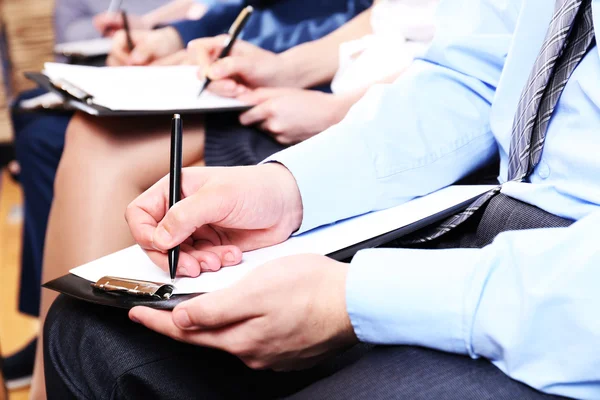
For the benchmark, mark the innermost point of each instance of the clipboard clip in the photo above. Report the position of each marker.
(134, 287)
(67, 87)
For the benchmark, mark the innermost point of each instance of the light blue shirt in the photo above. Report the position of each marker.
(530, 302)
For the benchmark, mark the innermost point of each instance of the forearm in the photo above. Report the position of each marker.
(173, 11)
(315, 63)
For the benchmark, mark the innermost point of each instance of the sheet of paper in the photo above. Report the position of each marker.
(141, 88)
(85, 48)
(134, 264)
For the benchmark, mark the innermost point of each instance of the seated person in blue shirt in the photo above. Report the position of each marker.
(511, 79)
(277, 26)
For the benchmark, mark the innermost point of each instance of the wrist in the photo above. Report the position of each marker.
(308, 65)
(290, 198)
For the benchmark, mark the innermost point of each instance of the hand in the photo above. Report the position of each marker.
(108, 23)
(247, 66)
(293, 115)
(288, 314)
(149, 47)
(224, 211)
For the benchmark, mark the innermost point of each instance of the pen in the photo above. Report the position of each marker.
(127, 30)
(113, 8)
(234, 32)
(175, 182)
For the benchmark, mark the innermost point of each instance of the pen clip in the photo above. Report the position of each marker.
(67, 87)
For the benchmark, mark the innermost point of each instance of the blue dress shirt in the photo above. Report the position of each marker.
(530, 302)
(276, 25)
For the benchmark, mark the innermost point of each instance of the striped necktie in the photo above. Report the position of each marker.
(569, 38)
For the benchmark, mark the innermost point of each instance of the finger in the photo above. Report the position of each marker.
(182, 220)
(119, 50)
(229, 67)
(259, 113)
(227, 88)
(143, 52)
(222, 256)
(216, 310)
(230, 339)
(187, 267)
(260, 95)
(174, 59)
(205, 51)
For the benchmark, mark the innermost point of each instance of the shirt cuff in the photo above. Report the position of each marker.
(412, 297)
(334, 184)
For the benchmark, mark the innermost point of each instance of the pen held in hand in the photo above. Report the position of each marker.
(130, 45)
(234, 33)
(175, 182)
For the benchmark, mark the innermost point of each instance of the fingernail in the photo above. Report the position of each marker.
(162, 236)
(204, 266)
(134, 319)
(229, 257)
(229, 86)
(182, 319)
(183, 271)
(240, 89)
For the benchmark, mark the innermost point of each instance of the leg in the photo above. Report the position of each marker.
(39, 145)
(417, 373)
(106, 164)
(136, 363)
(115, 358)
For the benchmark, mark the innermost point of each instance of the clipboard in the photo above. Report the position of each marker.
(82, 101)
(82, 289)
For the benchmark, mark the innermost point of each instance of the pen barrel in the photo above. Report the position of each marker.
(176, 161)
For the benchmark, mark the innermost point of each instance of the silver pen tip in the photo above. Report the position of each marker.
(172, 281)
(176, 116)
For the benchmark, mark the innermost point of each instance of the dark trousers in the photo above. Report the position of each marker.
(39, 143)
(95, 352)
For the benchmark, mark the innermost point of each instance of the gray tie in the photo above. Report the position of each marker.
(569, 37)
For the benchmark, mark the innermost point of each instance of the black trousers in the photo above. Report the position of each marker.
(97, 353)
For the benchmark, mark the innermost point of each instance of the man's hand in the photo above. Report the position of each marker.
(247, 66)
(224, 211)
(288, 314)
(293, 115)
(108, 23)
(149, 47)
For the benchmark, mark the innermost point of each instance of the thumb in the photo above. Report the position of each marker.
(142, 53)
(186, 217)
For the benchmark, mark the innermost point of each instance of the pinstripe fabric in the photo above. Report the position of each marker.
(569, 37)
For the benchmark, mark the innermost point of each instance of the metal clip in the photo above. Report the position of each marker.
(135, 287)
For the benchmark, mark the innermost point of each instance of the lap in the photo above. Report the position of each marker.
(114, 358)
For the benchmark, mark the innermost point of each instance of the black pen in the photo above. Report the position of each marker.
(234, 32)
(175, 182)
(127, 30)
(113, 8)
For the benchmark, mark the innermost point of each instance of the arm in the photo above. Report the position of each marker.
(529, 303)
(217, 20)
(173, 11)
(315, 62)
(73, 21)
(426, 131)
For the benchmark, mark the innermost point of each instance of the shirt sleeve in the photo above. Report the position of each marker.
(73, 21)
(425, 131)
(528, 302)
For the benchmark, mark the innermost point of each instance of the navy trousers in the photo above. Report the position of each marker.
(39, 142)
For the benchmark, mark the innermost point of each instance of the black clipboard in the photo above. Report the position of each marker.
(82, 289)
(81, 101)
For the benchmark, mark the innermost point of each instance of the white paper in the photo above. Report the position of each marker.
(141, 88)
(85, 48)
(133, 263)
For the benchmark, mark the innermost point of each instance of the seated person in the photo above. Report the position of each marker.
(39, 140)
(309, 21)
(518, 80)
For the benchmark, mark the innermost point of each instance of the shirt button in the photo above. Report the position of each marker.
(543, 170)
